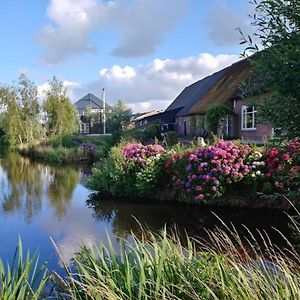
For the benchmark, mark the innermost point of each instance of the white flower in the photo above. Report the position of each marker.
(252, 175)
(258, 173)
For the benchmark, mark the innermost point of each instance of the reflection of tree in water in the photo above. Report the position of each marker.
(127, 217)
(27, 182)
(190, 219)
(61, 188)
(25, 188)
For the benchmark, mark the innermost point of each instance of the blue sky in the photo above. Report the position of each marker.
(142, 51)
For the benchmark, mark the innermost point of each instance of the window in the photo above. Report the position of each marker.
(248, 117)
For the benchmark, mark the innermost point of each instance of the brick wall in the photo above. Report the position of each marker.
(263, 130)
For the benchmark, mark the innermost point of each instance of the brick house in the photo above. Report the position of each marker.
(222, 87)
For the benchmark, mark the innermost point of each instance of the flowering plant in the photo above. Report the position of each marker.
(283, 166)
(140, 153)
(206, 171)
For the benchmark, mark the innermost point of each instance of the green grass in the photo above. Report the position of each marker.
(226, 266)
(23, 279)
(164, 267)
(67, 149)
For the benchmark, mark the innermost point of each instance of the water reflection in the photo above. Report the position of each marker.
(24, 185)
(39, 201)
(128, 217)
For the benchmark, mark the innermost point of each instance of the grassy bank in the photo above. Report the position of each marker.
(227, 266)
(69, 149)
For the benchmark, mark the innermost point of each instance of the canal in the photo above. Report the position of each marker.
(39, 202)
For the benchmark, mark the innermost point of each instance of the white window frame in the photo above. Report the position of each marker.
(244, 118)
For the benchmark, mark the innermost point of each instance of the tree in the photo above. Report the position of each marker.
(277, 67)
(118, 119)
(61, 115)
(21, 112)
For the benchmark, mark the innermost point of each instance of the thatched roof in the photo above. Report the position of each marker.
(226, 88)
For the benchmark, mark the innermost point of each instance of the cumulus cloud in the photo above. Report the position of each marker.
(141, 25)
(144, 23)
(70, 27)
(222, 22)
(153, 85)
(70, 87)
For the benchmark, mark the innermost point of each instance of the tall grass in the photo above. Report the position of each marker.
(164, 267)
(23, 279)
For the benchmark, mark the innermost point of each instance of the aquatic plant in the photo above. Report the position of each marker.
(165, 267)
(23, 279)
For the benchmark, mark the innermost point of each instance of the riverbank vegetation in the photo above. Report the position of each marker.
(48, 131)
(206, 174)
(69, 149)
(226, 266)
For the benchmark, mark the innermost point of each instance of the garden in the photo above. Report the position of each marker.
(225, 172)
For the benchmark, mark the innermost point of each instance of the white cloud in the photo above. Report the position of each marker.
(141, 24)
(144, 23)
(118, 72)
(70, 86)
(154, 85)
(222, 22)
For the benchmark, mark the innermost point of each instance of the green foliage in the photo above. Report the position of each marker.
(145, 134)
(214, 115)
(277, 68)
(20, 121)
(164, 267)
(118, 120)
(61, 113)
(23, 279)
(122, 178)
(171, 138)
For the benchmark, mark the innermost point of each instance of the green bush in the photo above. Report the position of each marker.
(171, 138)
(128, 178)
(145, 134)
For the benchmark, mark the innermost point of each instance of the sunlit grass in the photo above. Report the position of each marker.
(23, 279)
(162, 267)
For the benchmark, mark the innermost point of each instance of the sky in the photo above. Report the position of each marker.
(144, 52)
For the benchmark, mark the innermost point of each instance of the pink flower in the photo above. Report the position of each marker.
(199, 197)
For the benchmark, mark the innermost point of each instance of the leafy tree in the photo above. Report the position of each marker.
(61, 115)
(21, 112)
(118, 119)
(277, 68)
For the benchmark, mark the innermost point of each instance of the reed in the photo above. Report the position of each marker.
(165, 267)
(23, 279)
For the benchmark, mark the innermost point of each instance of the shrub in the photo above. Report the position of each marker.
(88, 149)
(129, 170)
(282, 167)
(145, 134)
(207, 171)
(171, 138)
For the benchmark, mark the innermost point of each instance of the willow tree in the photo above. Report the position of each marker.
(61, 115)
(276, 80)
(20, 113)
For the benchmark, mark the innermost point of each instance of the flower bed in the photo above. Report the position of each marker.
(198, 174)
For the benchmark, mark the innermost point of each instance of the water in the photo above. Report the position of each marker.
(38, 201)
